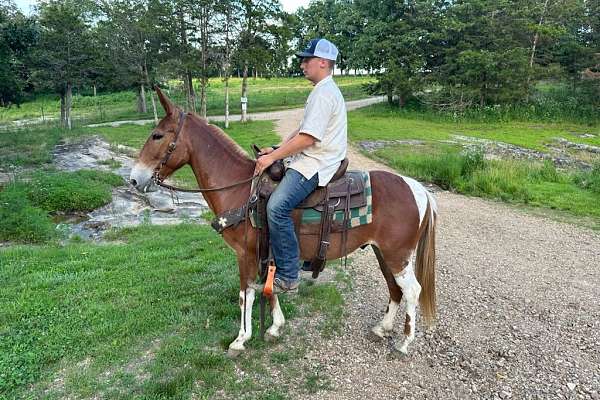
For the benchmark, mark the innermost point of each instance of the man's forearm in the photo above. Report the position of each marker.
(295, 144)
(290, 136)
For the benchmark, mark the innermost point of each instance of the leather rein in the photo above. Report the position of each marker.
(158, 180)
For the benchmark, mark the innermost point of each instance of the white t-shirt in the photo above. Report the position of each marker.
(325, 120)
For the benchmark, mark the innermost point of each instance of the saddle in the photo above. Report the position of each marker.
(344, 191)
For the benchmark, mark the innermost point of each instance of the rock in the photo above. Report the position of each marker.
(571, 386)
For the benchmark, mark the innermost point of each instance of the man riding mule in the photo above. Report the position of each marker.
(401, 232)
(316, 149)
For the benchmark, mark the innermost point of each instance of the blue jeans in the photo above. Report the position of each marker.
(290, 192)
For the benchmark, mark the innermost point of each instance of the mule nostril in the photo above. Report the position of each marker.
(133, 182)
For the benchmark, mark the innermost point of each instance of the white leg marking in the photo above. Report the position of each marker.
(386, 325)
(278, 319)
(244, 334)
(411, 291)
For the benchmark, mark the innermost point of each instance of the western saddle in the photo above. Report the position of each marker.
(344, 191)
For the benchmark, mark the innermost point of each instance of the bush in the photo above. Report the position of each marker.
(83, 190)
(589, 180)
(20, 221)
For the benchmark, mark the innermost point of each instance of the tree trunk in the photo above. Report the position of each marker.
(226, 66)
(536, 37)
(204, 17)
(191, 93)
(140, 105)
(147, 79)
(94, 90)
(226, 100)
(68, 104)
(244, 117)
(63, 107)
(144, 107)
(401, 100)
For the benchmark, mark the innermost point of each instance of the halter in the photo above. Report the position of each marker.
(172, 146)
(156, 178)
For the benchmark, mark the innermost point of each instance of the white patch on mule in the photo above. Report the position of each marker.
(278, 319)
(420, 194)
(244, 334)
(411, 289)
(387, 323)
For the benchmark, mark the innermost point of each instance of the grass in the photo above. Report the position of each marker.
(438, 160)
(146, 315)
(26, 205)
(534, 184)
(381, 122)
(263, 95)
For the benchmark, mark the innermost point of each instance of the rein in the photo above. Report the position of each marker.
(156, 178)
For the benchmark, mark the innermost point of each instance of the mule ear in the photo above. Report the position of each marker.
(164, 100)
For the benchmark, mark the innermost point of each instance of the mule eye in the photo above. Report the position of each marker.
(157, 136)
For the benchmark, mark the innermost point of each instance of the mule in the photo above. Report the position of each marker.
(402, 232)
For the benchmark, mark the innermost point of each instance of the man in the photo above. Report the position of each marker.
(315, 151)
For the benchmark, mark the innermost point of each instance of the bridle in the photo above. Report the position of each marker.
(158, 180)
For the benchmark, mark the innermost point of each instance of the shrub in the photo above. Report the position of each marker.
(20, 221)
(589, 180)
(83, 190)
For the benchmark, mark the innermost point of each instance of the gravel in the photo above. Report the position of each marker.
(518, 315)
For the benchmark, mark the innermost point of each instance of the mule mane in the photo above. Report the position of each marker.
(214, 131)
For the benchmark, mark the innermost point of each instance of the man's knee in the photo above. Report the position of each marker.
(277, 208)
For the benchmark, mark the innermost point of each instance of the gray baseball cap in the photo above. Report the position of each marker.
(319, 48)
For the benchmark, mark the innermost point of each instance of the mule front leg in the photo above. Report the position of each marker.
(278, 319)
(245, 333)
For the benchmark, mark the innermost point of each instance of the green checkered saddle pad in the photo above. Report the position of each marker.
(358, 216)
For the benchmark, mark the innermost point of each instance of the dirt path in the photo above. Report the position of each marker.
(518, 312)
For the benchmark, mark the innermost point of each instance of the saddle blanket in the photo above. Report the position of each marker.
(358, 216)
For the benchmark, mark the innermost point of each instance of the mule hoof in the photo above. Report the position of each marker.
(270, 337)
(378, 334)
(401, 350)
(396, 354)
(234, 353)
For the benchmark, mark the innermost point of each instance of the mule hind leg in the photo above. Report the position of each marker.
(385, 327)
(398, 269)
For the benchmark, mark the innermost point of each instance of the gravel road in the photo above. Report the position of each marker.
(518, 312)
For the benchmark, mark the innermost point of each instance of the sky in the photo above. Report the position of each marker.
(288, 5)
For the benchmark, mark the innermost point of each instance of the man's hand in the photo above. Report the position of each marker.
(262, 163)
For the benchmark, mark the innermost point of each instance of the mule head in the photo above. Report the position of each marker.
(157, 146)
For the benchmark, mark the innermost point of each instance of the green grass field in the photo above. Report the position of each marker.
(263, 95)
(147, 315)
(571, 193)
(380, 122)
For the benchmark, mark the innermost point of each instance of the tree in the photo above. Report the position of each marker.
(63, 54)
(253, 45)
(18, 35)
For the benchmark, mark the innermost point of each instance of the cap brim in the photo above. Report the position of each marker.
(303, 54)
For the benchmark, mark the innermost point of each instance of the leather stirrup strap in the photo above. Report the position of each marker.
(318, 263)
(344, 249)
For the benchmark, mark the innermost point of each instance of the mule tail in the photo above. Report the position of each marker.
(425, 262)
